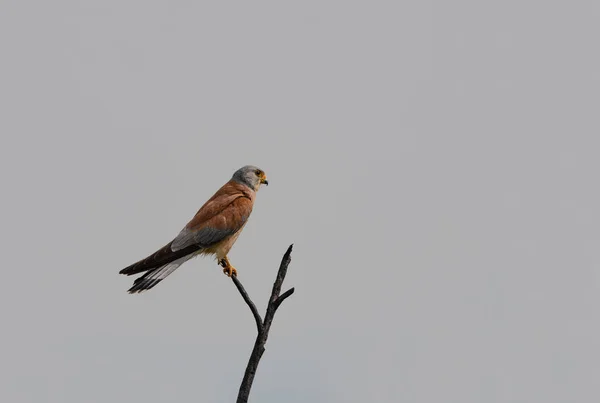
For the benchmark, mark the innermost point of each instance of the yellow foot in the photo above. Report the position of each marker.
(228, 269)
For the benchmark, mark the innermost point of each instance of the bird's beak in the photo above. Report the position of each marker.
(265, 181)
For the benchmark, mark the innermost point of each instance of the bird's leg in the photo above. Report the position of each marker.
(228, 269)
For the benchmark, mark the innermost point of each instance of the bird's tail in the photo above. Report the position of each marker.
(159, 259)
(152, 277)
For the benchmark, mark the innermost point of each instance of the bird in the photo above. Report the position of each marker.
(212, 231)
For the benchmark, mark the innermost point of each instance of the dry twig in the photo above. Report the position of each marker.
(262, 327)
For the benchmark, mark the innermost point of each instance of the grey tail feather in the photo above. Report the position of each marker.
(144, 283)
(152, 277)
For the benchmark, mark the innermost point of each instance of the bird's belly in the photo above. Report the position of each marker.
(222, 248)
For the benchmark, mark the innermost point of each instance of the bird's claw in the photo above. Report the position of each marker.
(228, 269)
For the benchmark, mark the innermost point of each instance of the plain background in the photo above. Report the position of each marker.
(434, 163)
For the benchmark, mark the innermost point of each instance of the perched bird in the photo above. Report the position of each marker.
(213, 231)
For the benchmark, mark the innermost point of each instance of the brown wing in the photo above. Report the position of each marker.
(222, 216)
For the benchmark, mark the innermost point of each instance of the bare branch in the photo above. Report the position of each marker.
(285, 261)
(251, 305)
(265, 326)
(283, 296)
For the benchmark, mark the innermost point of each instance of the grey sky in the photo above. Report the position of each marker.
(434, 163)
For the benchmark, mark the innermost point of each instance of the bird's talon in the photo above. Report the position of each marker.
(230, 271)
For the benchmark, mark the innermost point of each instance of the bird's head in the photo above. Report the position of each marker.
(251, 176)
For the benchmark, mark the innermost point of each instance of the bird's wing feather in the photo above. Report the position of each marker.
(161, 257)
(212, 226)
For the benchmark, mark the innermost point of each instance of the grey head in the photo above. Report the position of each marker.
(250, 176)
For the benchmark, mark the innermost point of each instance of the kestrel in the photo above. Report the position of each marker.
(213, 231)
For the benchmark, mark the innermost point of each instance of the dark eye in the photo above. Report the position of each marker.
(258, 172)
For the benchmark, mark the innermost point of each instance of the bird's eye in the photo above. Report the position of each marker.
(258, 172)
